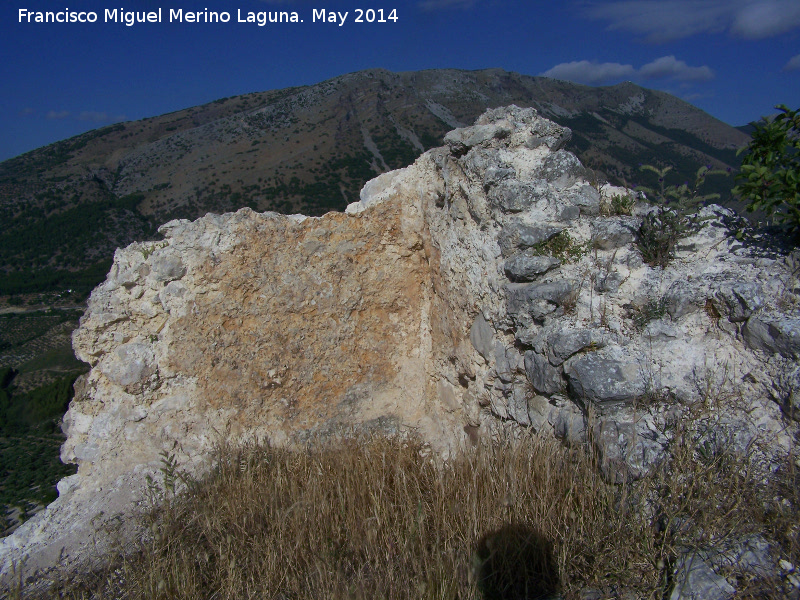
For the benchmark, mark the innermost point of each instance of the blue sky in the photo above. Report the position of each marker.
(735, 59)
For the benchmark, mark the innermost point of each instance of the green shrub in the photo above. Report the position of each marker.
(622, 205)
(562, 247)
(654, 309)
(661, 229)
(659, 234)
(682, 198)
(770, 175)
(30, 439)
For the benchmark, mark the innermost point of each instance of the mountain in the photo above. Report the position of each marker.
(749, 128)
(67, 206)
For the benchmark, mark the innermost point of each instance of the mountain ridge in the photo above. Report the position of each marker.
(306, 149)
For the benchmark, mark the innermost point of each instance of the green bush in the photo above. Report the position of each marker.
(662, 228)
(659, 234)
(682, 197)
(654, 309)
(770, 175)
(562, 247)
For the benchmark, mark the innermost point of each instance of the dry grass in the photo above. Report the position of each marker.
(379, 518)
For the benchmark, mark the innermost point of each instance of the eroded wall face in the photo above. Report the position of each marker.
(301, 323)
(261, 327)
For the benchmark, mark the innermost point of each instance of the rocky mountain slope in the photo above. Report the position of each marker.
(67, 206)
(489, 283)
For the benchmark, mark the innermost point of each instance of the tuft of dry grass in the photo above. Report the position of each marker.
(524, 517)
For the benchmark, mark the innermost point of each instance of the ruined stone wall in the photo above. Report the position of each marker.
(489, 283)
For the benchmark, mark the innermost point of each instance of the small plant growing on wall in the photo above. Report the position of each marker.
(662, 228)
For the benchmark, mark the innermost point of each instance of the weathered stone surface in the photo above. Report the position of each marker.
(496, 175)
(733, 299)
(786, 391)
(519, 236)
(628, 446)
(585, 198)
(563, 343)
(681, 299)
(513, 197)
(792, 405)
(739, 301)
(279, 328)
(695, 579)
(661, 330)
(548, 133)
(517, 402)
(528, 301)
(558, 415)
(568, 422)
(526, 266)
(167, 267)
(508, 361)
(130, 366)
(751, 554)
(770, 333)
(562, 169)
(461, 140)
(613, 232)
(697, 572)
(481, 335)
(569, 213)
(544, 378)
(608, 282)
(375, 191)
(399, 315)
(597, 377)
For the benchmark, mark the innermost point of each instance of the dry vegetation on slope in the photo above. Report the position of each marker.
(516, 518)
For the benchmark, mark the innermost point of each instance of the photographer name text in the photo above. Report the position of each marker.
(131, 18)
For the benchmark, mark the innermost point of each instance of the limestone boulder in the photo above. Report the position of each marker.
(544, 378)
(610, 375)
(517, 235)
(774, 333)
(527, 266)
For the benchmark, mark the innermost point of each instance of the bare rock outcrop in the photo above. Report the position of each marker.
(487, 282)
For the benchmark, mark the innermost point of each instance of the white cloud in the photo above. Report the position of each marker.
(669, 66)
(86, 115)
(440, 4)
(594, 73)
(99, 117)
(693, 97)
(665, 20)
(793, 64)
(591, 73)
(26, 112)
(90, 115)
(768, 18)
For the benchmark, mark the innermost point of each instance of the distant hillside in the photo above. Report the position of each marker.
(67, 206)
(747, 129)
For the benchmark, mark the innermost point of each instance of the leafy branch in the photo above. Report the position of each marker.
(770, 175)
